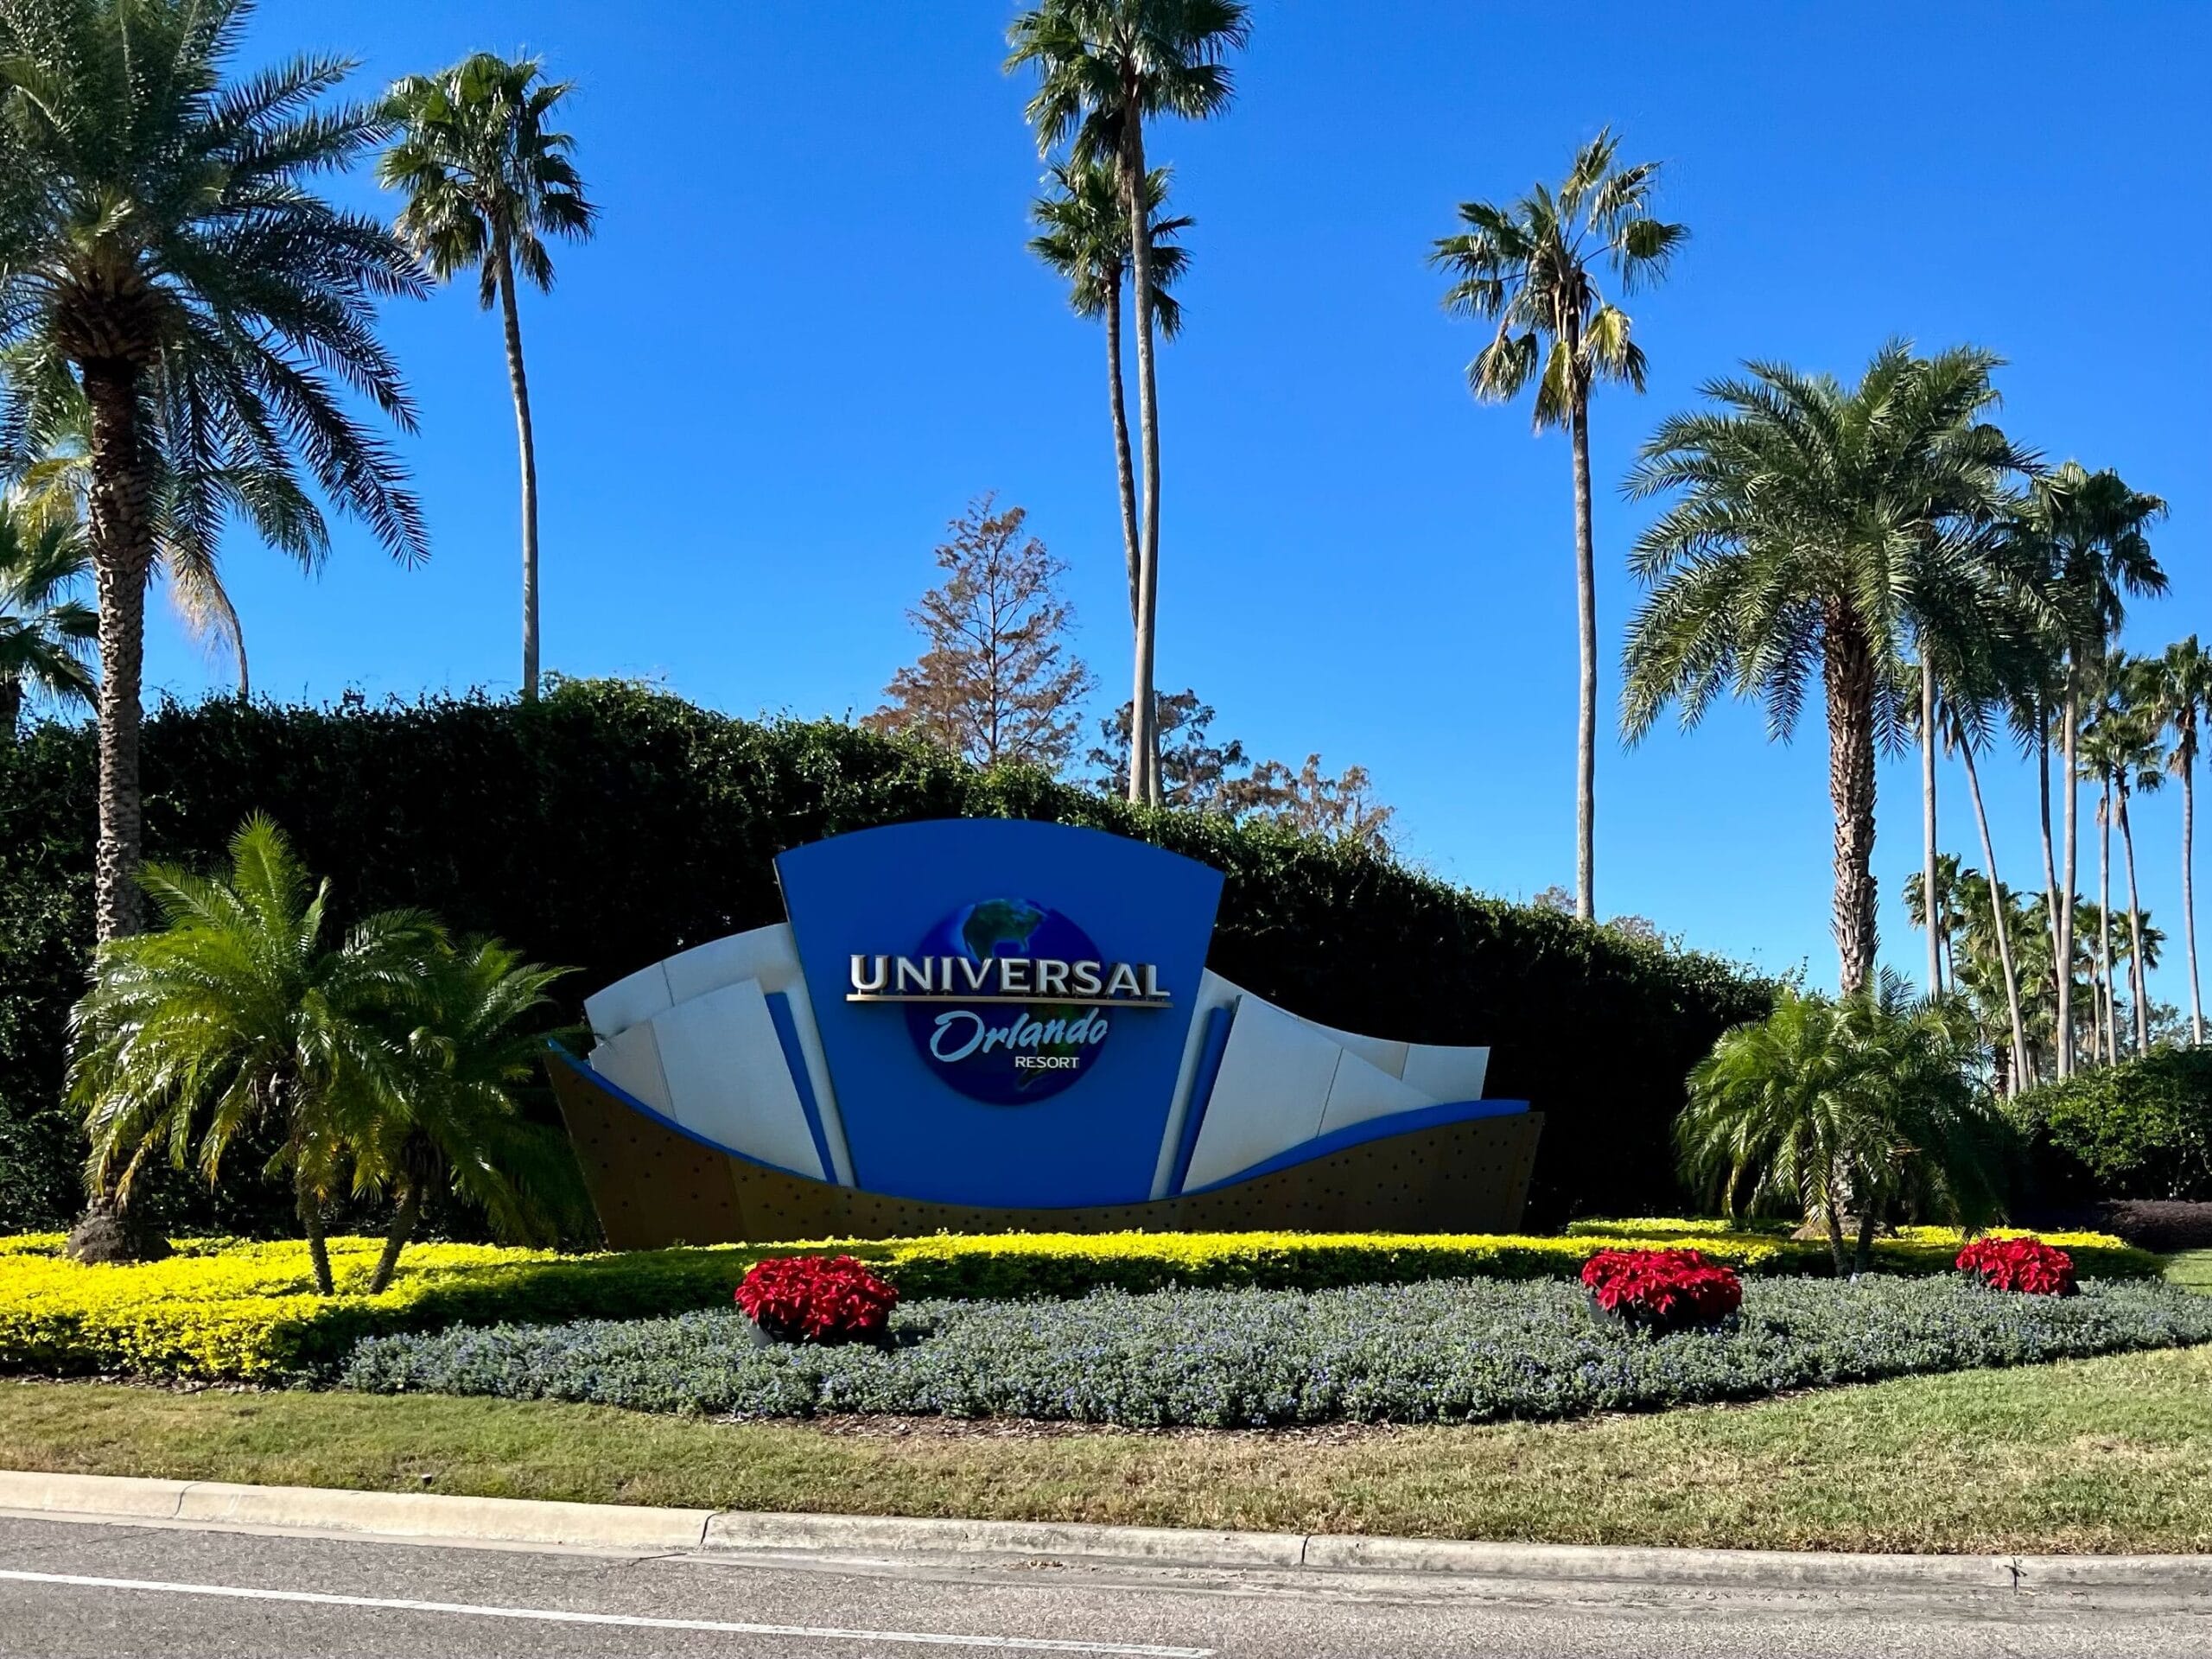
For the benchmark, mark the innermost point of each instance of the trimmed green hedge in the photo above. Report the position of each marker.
(608, 826)
(2140, 1130)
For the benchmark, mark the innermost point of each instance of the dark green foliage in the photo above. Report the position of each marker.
(608, 826)
(2140, 1130)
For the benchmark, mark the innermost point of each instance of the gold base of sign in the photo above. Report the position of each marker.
(654, 1187)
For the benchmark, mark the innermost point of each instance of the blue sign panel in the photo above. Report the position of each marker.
(1003, 1005)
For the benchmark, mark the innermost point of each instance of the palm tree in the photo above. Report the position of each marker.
(2088, 534)
(160, 221)
(1105, 68)
(482, 1037)
(46, 632)
(187, 509)
(1812, 523)
(2181, 700)
(1961, 738)
(1857, 1106)
(1084, 237)
(486, 181)
(2122, 745)
(243, 1006)
(388, 1057)
(1533, 267)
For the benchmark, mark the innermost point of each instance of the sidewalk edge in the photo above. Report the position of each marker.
(424, 1516)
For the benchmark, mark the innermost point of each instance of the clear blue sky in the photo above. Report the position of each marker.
(808, 331)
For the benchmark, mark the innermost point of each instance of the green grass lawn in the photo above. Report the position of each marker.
(2104, 1454)
(2191, 1268)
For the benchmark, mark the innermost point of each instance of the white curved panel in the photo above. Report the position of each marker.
(1361, 1091)
(727, 1082)
(1382, 1053)
(1214, 992)
(1273, 1083)
(629, 1001)
(1446, 1074)
(817, 1075)
(631, 1061)
(767, 954)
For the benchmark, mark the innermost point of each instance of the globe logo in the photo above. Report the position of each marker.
(1008, 1052)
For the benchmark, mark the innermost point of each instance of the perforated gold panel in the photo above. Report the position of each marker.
(654, 1187)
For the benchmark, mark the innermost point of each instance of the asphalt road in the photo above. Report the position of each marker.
(110, 1591)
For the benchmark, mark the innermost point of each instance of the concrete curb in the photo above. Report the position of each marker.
(419, 1516)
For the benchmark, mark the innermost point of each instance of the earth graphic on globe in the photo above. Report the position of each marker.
(1007, 1072)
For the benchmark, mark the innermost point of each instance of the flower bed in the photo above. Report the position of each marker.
(1444, 1352)
(816, 1299)
(1661, 1290)
(2030, 1266)
(226, 1309)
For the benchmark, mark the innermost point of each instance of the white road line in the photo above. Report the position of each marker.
(553, 1615)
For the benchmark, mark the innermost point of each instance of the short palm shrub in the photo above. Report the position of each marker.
(2028, 1265)
(816, 1299)
(1661, 1290)
(1870, 1108)
(388, 1055)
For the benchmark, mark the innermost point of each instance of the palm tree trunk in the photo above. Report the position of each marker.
(11, 710)
(2104, 925)
(2138, 977)
(2189, 890)
(1124, 466)
(1585, 616)
(2063, 946)
(1832, 1203)
(1862, 1260)
(1144, 716)
(403, 1229)
(1850, 676)
(122, 557)
(310, 1210)
(1997, 908)
(1929, 898)
(2107, 1009)
(2061, 985)
(527, 442)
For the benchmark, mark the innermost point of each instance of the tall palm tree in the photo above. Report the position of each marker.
(46, 632)
(1961, 739)
(2182, 702)
(159, 220)
(1810, 523)
(1105, 68)
(2122, 742)
(1533, 267)
(486, 181)
(1084, 235)
(2093, 753)
(2089, 534)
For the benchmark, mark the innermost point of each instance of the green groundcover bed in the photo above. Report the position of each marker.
(1448, 1351)
(223, 1310)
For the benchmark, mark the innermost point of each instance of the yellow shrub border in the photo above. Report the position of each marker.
(227, 1309)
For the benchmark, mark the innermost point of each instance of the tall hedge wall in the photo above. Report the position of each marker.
(609, 825)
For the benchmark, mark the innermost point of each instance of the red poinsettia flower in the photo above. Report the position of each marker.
(2027, 1265)
(816, 1299)
(1663, 1287)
